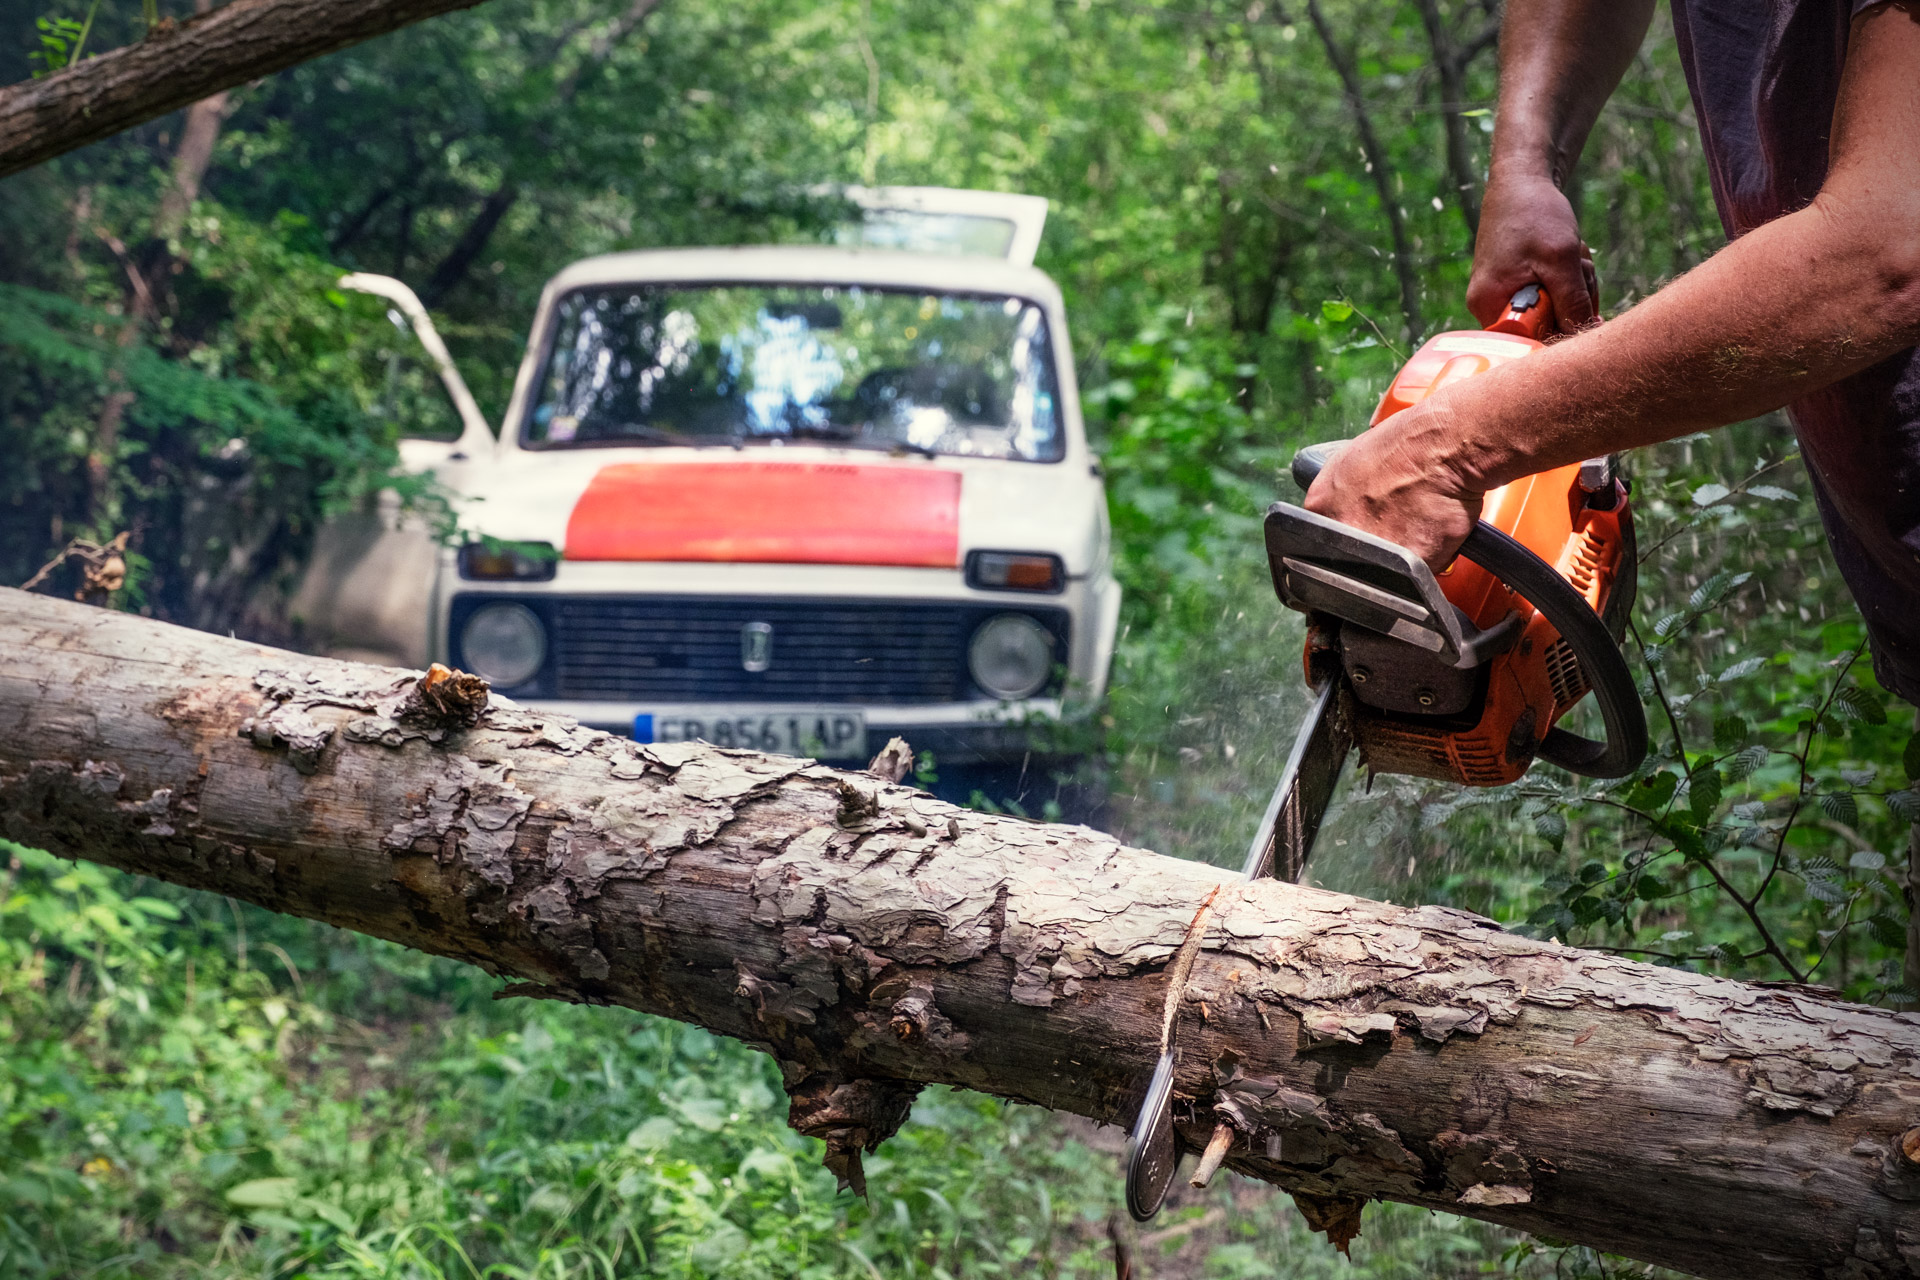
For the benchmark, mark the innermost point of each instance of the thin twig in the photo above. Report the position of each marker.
(1853, 900)
(1647, 553)
(1773, 947)
(1804, 755)
(1385, 341)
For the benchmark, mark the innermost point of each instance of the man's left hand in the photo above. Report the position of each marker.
(1395, 482)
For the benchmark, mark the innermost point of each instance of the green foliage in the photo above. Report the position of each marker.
(61, 40)
(227, 457)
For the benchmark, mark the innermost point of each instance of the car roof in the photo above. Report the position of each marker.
(812, 264)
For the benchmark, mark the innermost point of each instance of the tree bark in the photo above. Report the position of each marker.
(873, 939)
(182, 63)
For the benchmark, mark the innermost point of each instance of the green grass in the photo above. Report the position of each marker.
(194, 1089)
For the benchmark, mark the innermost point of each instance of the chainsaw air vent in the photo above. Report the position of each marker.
(1563, 672)
(1581, 563)
(1395, 745)
(1478, 766)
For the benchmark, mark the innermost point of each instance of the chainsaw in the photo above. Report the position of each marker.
(1459, 676)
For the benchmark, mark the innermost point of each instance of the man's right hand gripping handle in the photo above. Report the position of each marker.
(1528, 235)
(1559, 61)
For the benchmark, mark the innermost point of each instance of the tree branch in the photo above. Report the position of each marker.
(1451, 61)
(181, 63)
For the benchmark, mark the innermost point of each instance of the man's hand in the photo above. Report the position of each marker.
(1800, 302)
(1395, 482)
(1528, 235)
(1559, 59)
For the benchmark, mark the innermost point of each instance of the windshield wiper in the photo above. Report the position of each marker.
(838, 431)
(629, 433)
(841, 433)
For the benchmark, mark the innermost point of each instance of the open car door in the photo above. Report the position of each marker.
(366, 591)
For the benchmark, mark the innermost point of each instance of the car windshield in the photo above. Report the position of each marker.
(942, 373)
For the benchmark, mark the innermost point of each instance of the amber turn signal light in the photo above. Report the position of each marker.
(1016, 571)
(508, 561)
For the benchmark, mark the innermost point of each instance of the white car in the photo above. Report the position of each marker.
(794, 498)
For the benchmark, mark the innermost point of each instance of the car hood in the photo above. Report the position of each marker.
(797, 505)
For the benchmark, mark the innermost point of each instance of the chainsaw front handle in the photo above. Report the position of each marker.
(1600, 659)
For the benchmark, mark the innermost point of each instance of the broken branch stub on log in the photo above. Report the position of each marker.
(873, 939)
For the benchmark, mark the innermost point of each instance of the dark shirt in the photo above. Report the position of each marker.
(1765, 75)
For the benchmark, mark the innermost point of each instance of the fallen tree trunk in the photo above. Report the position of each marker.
(181, 63)
(873, 939)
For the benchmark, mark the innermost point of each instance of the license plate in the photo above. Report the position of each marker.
(822, 732)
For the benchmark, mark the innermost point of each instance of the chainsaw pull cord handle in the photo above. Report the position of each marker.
(1600, 659)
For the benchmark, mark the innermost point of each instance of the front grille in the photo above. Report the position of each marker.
(688, 649)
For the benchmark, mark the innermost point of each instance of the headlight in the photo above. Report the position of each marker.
(1011, 656)
(495, 561)
(504, 643)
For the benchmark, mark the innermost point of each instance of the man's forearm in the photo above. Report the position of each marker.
(1789, 308)
(1559, 62)
(1781, 312)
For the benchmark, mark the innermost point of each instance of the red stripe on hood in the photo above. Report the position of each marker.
(769, 513)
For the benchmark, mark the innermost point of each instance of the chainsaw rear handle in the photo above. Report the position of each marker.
(1541, 585)
(1529, 314)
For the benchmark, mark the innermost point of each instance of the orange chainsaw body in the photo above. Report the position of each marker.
(1586, 534)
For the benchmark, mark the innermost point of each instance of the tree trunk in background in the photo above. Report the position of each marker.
(1450, 62)
(193, 157)
(872, 938)
(453, 268)
(181, 63)
(1379, 171)
(149, 275)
